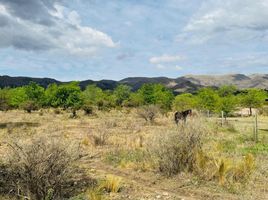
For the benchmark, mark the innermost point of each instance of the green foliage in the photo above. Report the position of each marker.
(135, 100)
(184, 102)
(17, 97)
(253, 98)
(68, 96)
(35, 92)
(227, 104)
(93, 95)
(50, 95)
(156, 94)
(122, 93)
(227, 90)
(208, 99)
(259, 148)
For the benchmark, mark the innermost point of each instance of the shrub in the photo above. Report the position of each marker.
(177, 151)
(43, 169)
(149, 113)
(29, 106)
(57, 111)
(88, 110)
(100, 138)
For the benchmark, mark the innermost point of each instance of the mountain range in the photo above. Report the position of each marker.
(188, 83)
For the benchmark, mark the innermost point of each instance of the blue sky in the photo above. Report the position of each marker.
(114, 39)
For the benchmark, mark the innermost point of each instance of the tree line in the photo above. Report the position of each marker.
(70, 96)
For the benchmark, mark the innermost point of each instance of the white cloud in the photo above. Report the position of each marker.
(247, 61)
(169, 67)
(166, 59)
(178, 68)
(61, 32)
(229, 19)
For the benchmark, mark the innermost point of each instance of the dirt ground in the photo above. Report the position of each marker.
(124, 130)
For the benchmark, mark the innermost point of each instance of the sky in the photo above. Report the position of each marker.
(115, 39)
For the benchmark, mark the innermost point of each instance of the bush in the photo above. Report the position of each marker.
(149, 113)
(29, 106)
(43, 169)
(88, 109)
(57, 111)
(177, 151)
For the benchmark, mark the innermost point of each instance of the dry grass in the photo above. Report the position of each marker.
(230, 166)
(111, 184)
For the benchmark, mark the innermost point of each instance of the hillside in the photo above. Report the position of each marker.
(188, 83)
(240, 80)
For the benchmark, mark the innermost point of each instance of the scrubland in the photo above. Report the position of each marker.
(118, 154)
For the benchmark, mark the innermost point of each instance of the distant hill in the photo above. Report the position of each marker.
(188, 83)
(239, 80)
(7, 81)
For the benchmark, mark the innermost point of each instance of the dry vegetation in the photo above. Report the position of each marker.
(118, 155)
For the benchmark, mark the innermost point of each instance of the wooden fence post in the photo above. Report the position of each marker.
(222, 118)
(256, 127)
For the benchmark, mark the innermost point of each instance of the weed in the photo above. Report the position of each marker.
(111, 184)
(258, 148)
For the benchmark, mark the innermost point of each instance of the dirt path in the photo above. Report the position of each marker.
(148, 186)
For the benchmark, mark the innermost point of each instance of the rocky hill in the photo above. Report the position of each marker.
(188, 83)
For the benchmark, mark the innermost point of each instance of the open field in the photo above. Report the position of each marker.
(116, 144)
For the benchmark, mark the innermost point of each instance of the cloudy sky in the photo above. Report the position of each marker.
(114, 39)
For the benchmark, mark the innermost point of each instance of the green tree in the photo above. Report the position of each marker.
(50, 98)
(69, 96)
(228, 101)
(93, 95)
(253, 98)
(17, 97)
(35, 92)
(184, 102)
(135, 100)
(156, 94)
(208, 99)
(227, 104)
(227, 90)
(122, 93)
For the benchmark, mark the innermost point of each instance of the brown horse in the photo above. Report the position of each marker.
(182, 116)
